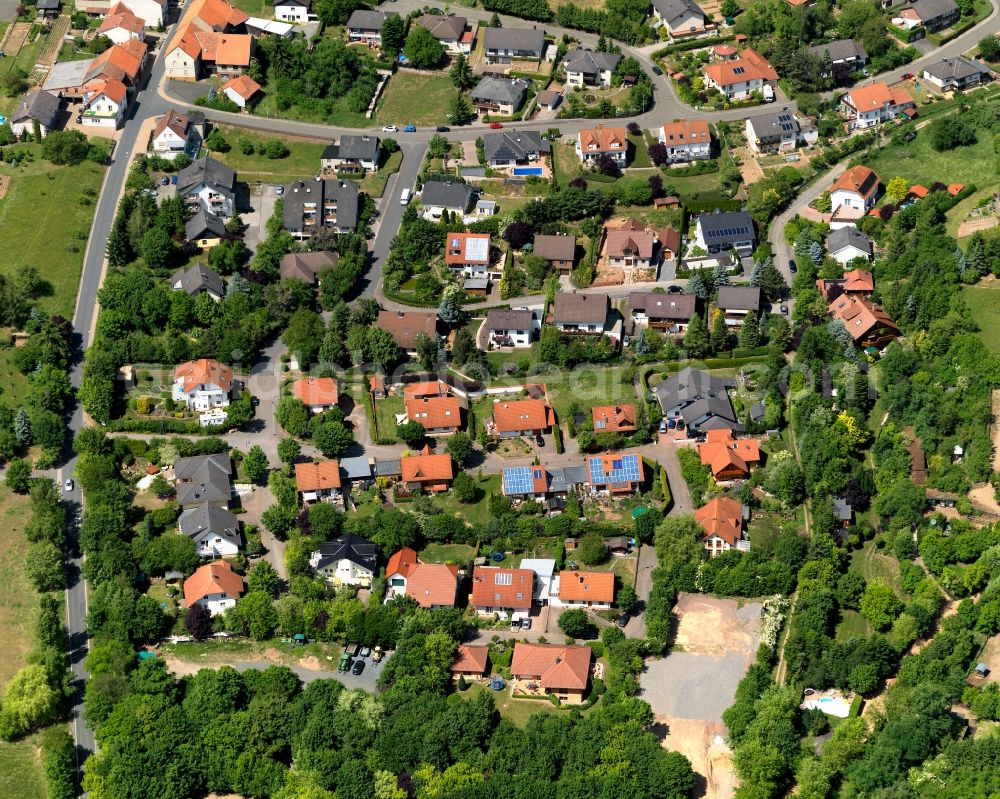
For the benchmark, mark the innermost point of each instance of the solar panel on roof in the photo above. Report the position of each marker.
(477, 249)
(518, 480)
(623, 470)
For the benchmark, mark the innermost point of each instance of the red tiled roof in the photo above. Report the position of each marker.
(859, 280)
(217, 577)
(860, 316)
(405, 326)
(640, 243)
(471, 659)
(722, 517)
(868, 98)
(425, 388)
(121, 17)
(317, 476)
(555, 666)
(427, 468)
(688, 131)
(434, 412)
(604, 140)
(202, 371)
(721, 451)
(587, 586)
(456, 248)
(750, 65)
(245, 86)
(433, 584)
(402, 562)
(955, 188)
(511, 416)
(860, 180)
(513, 591)
(316, 390)
(919, 191)
(616, 418)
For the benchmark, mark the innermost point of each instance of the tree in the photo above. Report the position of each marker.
(450, 309)
(289, 450)
(411, 432)
(393, 31)
(198, 622)
(591, 549)
(459, 110)
(696, 340)
(459, 446)
(254, 615)
(332, 438)
(749, 332)
(879, 605)
(65, 147)
(157, 248)
(720, 332)
(422, 50)
(44, 566)
(18, 475)
(627, 598)
(897, 189)
(216, 142)
(262, 577)
(575, 623)
(495, 21)
(255, 463)
(28, 702)
(989, 48)
(465, 489)
(428, 350)
(293, 415)
(950, 132)
(22, 427)
(461, 73)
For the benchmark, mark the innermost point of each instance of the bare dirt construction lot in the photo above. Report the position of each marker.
(690, 688)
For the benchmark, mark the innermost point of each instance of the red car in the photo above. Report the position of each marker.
(906, 76)
(496, 125)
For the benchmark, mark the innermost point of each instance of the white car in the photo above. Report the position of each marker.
(390, 129)
(68, 485)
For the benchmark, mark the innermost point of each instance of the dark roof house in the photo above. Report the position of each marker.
(726, 230)
(591, 63)
(199, 278)
(524, 42)
(514, 145)
(38, 105)
(841, 51)
(501, 92)
(699, 399)
(210, 518)
(354, 548)
(576, 310)
(203, 225)
(739, 298)
(314, 204)
(446, 194)
(206, 171)
(306, 266)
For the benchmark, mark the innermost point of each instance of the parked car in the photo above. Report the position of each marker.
(623, 620)
(173, 180)
(389, 129)
(793, 267)
(365, 651)
(280, 190)
(496, 125)
(410, 129)
(663, 426)
(657, 70)
(525, 624)
(164, 181)
(68, 485)
(539, 440)
(442, 129)
(675, 290)
(359, 666)
(784, 310)
(906, 76)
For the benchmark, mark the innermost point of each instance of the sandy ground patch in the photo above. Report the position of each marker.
(703, 743)
(750, 168)
(710, 626)
(991, 657)
(976, 225)
(983, 498)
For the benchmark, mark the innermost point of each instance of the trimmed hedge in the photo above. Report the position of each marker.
(155, 426)
(668, 499)
(695, 44)
(697, 168)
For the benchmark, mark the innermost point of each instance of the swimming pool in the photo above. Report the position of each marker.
(527, 170)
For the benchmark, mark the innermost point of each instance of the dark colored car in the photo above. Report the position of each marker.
(792, 267)
(657, 70)
(164, 181)
(442, 129)
(623, 620)
(359, 666)
(674, 290)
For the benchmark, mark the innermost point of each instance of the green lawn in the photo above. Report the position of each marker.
(412, 99)
(374, 185)
(478, 512)
(918, 163)
(13, 384)
(301, 163)
(21, 772)
(639, 154)
(25, 59)
(44, 223)
(517, 711)
(875, 567)
(599, 385)
(385, 411)
(983, 300)
(256, 8)
(447, 553)
(852, 625)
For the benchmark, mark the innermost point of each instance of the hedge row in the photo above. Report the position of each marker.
(694, 44)
(157, 426)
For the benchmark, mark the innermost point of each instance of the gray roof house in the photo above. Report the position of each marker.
(313, 204)
(510, 328)
(206, 520)
(500, 95)
(590, 67)
(505, 44)
(662, 311)
(724, 231)
(203, 478)
(699, 400)
(353, 548)
(37, 105)
(438, 196)
(739, 298)
(209, 184)
(306, 266)
(508, 147)
(204, 227)
(847, 243)
(580, 313)
(680, 16)
(957, 73)
(197, 280)
(932, 14)
(352, 153)
(842, 51)
(365, 25)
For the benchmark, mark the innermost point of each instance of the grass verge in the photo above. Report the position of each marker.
(416, 99)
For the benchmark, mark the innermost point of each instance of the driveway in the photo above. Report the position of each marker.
(262, 198)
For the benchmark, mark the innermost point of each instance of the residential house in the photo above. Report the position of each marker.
(779, 131)
(950, 74)
(586, 67)
(330, 204)
(867, 106)
(548, 99)
(630, 249)
(848, 243)
(667, 312)
(514, 328)
(580, 313)
(218, 16)
(241, 90)
(721, 519)
(544, 571)
(427, 471)
(318, 482)
(307, 266)
(503, 45)
(681, 18)
(614, 418)
(698, 401)
(617, 473)
(846, 54)
(501, 96)
(435, 414)
(594, 590)
(557, 669)
(857, 188)
(524, 417)
(426, 388)
(298, 12)
(38, 106)
(104, 104)
(205, 230)
(525, 482)
(366, 26)
(843, 512)
(194, 53)
(214, 586)
(868, 324)
(933, 15)
(918, 462)
(121, 24)
(558, 250)
(439, 196)
(204, 478)
(503, 148)
(856, 283)
(723, 231)
(199, 279)
(151, 12)
(456, 33)
(471, 660)
(430, 585)
(502, 591)
(348, 560)
(738, 302)
(48, 9)
(729, 458)
(406, 326)
(740, 77)
(593, 143)
(203, 384)
(686, 140)
(210, 185)
(176, 133)
(353, 154)
(318, 394)
(73, 80)
(214, 530)
(469, 253)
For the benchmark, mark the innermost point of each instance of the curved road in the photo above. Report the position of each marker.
(156, 100)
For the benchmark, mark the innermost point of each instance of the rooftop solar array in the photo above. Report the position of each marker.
(518, 480)
(623, 470)
(477, 249)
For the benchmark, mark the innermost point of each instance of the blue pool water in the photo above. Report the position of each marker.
(527, 170)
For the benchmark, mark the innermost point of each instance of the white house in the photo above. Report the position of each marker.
(241, 90)
(210, 185)
(847, 243)
(214, 586)
(867, 106)
(177, 133)
(366, 26)
(514, 328)
(456, 33)
(203, 384)
(779, 131)
(593, 143)
(296, 11)
(348, 560)
(36, 106)
(589, 67)
(121, 24)
(686, 140)
(680, 17)
(575, 589)
(149, 11)
(544, 569)
(440, 196)
(580, 313)
(857, 189)
(214, 530)
(104, 104)
(738, 78)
